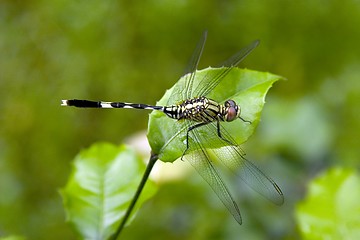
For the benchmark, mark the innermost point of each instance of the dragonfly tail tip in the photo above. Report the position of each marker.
(64, 103)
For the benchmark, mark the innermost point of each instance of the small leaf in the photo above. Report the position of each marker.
(167, 137)
(332, 208)
(102, 184)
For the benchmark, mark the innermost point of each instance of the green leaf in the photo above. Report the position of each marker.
(248, 88)
(102, 184)
(332, 208)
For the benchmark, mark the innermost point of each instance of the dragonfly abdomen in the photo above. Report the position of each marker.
(102, 104)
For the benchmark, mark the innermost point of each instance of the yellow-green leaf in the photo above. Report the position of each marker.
(102, 184)
(167, 137)
(331, 209)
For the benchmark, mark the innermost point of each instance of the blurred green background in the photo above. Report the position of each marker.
(133, 51)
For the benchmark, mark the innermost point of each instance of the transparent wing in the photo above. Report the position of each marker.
(206, 85)
(232, 157)
(193, 64)
(200, 160)
(183, 91)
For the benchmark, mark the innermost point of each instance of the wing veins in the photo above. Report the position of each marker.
(250, 173)
(228, 65)
(201, 161)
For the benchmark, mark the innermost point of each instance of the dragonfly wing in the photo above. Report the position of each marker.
(232, 157)
(207, 85)
(183, 91)
(192, 66)
(200, 160)
(248, 172)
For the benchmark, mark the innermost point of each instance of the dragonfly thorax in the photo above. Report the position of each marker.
(202, 109)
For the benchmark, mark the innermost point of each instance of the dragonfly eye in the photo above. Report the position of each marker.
(231, 114)
(230, 103)
(232, 110)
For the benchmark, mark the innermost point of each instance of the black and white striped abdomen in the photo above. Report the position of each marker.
(102, 104)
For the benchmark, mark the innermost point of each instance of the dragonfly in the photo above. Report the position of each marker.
(190, 105)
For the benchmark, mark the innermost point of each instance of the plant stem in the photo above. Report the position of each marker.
(150, 165)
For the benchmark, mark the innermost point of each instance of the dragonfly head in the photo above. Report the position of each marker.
(232, 110)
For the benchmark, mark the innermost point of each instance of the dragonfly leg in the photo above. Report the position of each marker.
(220, 136)
(187, 136)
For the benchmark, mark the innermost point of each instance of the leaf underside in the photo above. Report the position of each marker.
(102, 183)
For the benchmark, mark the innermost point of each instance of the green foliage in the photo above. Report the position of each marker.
(13, 238)
(102, 184)
(132, 51)
(248, 88)
(332, 208)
